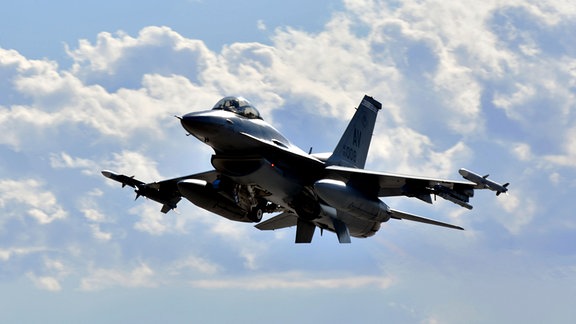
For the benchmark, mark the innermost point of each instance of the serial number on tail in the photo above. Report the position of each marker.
(349, 153)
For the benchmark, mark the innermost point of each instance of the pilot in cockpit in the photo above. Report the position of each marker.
(239, 106)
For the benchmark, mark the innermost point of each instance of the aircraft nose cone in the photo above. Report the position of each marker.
(192, 121)
(201, 124)
(196, 123)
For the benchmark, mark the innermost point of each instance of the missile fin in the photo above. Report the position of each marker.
(341, 230)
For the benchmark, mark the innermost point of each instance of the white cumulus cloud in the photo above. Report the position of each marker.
(101, 278)
(38, 203)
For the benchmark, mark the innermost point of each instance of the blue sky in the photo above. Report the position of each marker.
(489, 86)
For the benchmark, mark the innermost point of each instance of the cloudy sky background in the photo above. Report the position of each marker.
(488, 85)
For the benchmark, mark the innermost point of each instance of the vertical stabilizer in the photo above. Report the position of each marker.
(352, 149)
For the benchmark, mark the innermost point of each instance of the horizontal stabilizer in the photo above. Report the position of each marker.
(277, 222)
(402, 215)
(304, 229)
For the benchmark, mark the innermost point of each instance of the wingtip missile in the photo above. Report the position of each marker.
(484, 181)
(113, 176)
(124, 180)
(108, 174)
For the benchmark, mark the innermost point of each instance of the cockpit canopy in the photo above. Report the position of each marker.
(239, 106)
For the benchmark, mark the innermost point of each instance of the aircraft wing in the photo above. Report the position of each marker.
(164, 192)
(383, 184)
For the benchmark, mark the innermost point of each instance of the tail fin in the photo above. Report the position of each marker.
(352, 149)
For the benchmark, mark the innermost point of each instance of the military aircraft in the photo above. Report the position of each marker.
(257, 170)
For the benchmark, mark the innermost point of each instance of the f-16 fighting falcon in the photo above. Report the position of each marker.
(257, 171)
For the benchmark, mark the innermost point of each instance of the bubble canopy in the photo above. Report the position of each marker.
(239, 106)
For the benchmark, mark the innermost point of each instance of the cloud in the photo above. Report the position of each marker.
(98, 234)
(568, 157)
(329, 70)
(296, 280)
(45, 282)
(54, 103)
(195, 264)
(94, 215)
(261, 25)
(522, 210)
(63, 160)
(145, 275)
(134, 163)
(141, 276)
(435, 59)
(56, 266)
(7, 253)
(40, 204)
(54, 271)
(239, 237)
(418, 154)
(522, 151)
(118, 61)
(151, 220)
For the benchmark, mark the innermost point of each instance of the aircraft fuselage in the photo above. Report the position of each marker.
(220, 129)
(241, 145)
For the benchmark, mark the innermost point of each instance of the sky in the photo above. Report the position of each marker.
(93, 85)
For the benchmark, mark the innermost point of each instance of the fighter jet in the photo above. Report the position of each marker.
(258, 171)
